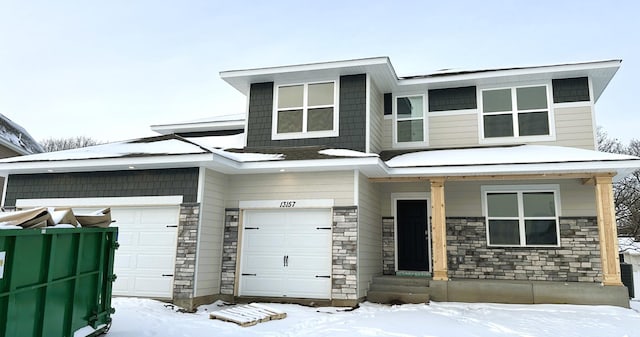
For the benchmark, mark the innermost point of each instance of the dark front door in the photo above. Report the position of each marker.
(413, 251)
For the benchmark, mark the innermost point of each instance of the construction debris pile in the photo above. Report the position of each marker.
(53, 217)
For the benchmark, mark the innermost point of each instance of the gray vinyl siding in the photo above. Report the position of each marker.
(132, 183)
(369, 233)
(214, 187)
(292, 186)
(453, 130)
(351, 117)
(574, 128)
(463, 199)
(376, 115)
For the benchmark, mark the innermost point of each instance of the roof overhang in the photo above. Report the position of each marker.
(383, 74)
(105, 164)
(379, 68)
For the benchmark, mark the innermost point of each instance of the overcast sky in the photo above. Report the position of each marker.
(109, 69)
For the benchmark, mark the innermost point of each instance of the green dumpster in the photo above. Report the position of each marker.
(54, 281)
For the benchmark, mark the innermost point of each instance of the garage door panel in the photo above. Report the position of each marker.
(261, 286)
(309, 264)
(154, 215)
(263, 241)
(163, 239)
(127, 238)
(263, 263)
(124, 261)
(122, 284)
(152, 286)
(156, 262)
(308, 287)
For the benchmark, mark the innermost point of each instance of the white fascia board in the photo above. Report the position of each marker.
(165, 200)
(166, 129)
(621, 167)
(105, 164)
(304, 67)
(309, 165)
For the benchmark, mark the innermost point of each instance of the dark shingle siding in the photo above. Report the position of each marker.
(352, 117)
(182, 181)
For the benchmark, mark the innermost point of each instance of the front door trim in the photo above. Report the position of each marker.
(410, 196)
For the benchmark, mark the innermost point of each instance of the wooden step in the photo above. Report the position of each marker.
(390, 297)
(248, 315)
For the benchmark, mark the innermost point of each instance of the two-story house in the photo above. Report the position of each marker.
(345, 182)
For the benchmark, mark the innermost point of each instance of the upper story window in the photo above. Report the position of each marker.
(522, 215)
(410, 121)
(516, 112)
(306, 110)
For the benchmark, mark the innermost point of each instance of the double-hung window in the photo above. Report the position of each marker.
(409, 120)
(521, 216)
(305, 111)
(516, 112)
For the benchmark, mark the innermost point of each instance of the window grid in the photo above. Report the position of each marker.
(410, 118)
(305, 107)
(521, 218)
(515, 112)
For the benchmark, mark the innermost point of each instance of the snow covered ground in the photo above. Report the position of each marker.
(143, 317)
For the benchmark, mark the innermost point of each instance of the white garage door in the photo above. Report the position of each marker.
(145, 261)
(286, 253)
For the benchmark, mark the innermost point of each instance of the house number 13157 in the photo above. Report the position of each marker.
(287, 204)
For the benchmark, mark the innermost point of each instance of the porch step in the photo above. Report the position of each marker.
(390, 297)
(409, 281)
(399, 288)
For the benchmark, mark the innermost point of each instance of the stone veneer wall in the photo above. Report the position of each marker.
(184, 275)
(344, 284)
(388, 246)
(229, 251)
(576, 260)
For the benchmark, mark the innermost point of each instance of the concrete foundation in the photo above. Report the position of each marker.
(528, 292)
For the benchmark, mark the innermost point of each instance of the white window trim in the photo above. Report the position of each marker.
(520, 189)
(425, 122)
(305, 134)
(410, 196)
(516, 138)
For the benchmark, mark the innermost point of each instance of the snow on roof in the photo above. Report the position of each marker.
(628, 245)
(249, 156)
(164, 145)
(462, 71)
(345, 153)
(520, 154)
(17, 138)
(220, 142)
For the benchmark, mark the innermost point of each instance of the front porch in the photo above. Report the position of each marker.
(464, 266)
